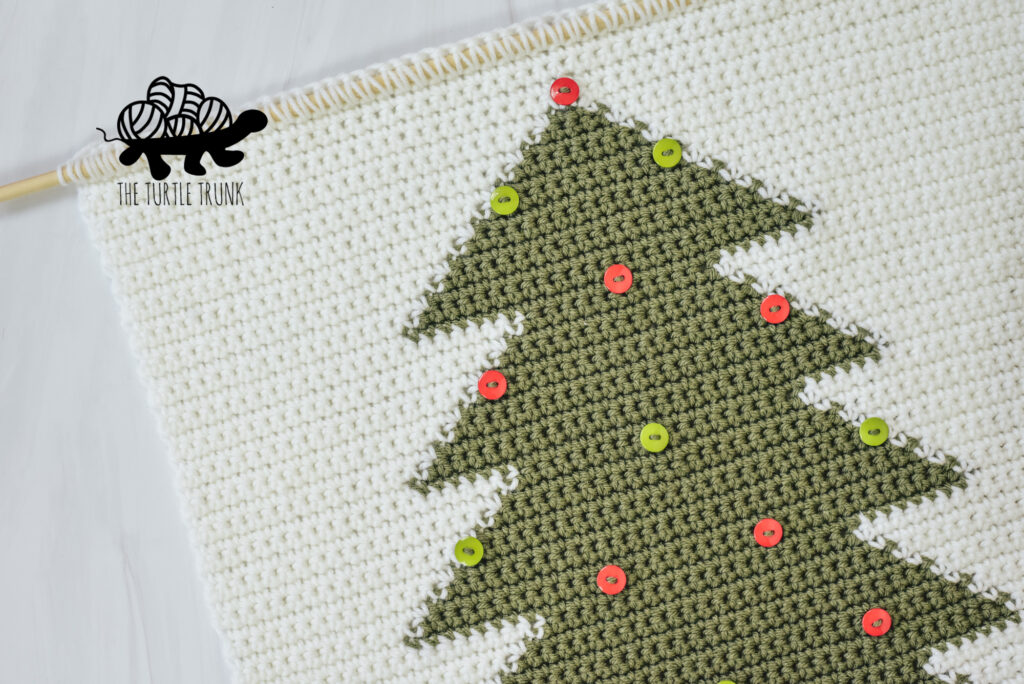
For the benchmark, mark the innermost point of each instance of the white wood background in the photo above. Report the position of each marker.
(97, 578)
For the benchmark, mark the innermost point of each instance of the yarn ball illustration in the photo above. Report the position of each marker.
(172, 110)
(141, 120)
(181, 124)
(175, 99)
(213, 115)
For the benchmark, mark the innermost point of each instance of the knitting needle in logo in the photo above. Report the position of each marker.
(178, 119)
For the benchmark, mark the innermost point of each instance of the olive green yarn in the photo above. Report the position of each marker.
(686, 348)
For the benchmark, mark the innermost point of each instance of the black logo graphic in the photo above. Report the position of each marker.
(178, 119)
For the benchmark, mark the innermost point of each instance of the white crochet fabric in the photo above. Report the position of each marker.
(269, 333)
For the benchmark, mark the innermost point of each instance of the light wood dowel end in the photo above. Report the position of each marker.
(28, 186)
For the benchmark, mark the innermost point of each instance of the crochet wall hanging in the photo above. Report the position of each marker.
(641, 343)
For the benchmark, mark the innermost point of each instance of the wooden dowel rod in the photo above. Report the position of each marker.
(29, 185)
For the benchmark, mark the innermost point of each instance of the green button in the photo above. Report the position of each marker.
(874, 431)
(654, 437)
(504, 200)
(726, 681)
(668, 152)
(469, 551)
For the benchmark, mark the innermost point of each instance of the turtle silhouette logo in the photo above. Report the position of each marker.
(178, 119)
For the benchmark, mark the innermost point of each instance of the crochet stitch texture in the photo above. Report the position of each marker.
(686, 348)
(296, 411)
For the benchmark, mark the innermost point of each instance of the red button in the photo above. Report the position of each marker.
(618, 278)
(876, 622)
(564, 91)
(492, 385)
(611, 579)
(775, 308)
(768, 532)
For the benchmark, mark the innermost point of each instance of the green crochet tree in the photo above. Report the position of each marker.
(690, 350)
